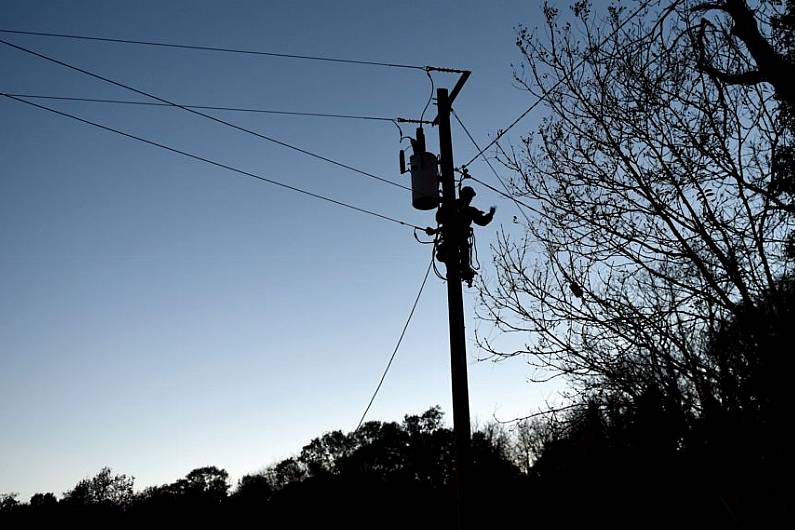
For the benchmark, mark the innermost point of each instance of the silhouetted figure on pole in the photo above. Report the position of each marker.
(460, 223)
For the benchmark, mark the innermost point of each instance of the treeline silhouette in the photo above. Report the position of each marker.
(651, 459)
(385, 474)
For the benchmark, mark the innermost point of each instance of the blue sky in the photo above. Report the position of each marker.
(159, 314)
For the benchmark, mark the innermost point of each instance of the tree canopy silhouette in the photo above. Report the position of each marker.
(655, 275)
(385, 474)
(654, 225)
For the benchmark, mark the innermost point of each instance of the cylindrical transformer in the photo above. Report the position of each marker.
(424, 181)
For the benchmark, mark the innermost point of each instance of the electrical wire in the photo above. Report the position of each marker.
(402, 136)
(437, 240)
(488, 162)
(546, 93)
(420, 241)
(507, 196)
(208, 116)
(207, 107)
(397, 346)
(474, 262)
(216, 49)
(430, 96)
(214, 163)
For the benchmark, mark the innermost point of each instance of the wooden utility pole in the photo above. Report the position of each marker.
(455, 304)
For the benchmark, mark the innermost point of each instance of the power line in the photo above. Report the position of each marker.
(430, 97)
(218, 49)
(397, 346)
(214, 163)
(507, 196)
(488, 162)
(207, 107)
(546, 93)
(208, 116)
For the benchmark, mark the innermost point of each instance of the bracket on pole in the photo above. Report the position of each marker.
(409, 120)
(456, 89)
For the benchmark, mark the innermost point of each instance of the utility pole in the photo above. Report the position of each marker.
(425, 185)
(455, 304)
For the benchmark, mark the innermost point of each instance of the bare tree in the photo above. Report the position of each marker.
(742, 54)
(656, 217)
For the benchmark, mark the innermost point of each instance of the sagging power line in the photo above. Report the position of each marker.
(545, 93)
(397, 346)
(232, 50)
(207, 116)
(222, 108)
(215, 163)
(506, 195)
(214, 49)
(488, 163)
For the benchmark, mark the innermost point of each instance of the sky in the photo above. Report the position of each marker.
(160, 314)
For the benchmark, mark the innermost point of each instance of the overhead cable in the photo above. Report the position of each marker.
(546, 92)
(208, 116)
(214, 163)
(488, 162)
(507, 196)
(397, 346)
(219, 49)
(208, 107)
(430, 97)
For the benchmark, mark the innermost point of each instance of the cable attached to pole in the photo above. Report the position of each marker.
(216, 49)
(214, 163)
(207, 116)
(223, 108)
(546, 93)
(397, 346)
(488, 162)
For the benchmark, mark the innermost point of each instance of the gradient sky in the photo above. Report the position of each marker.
(158, 314)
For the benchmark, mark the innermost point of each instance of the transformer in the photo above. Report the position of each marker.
(424, 181)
